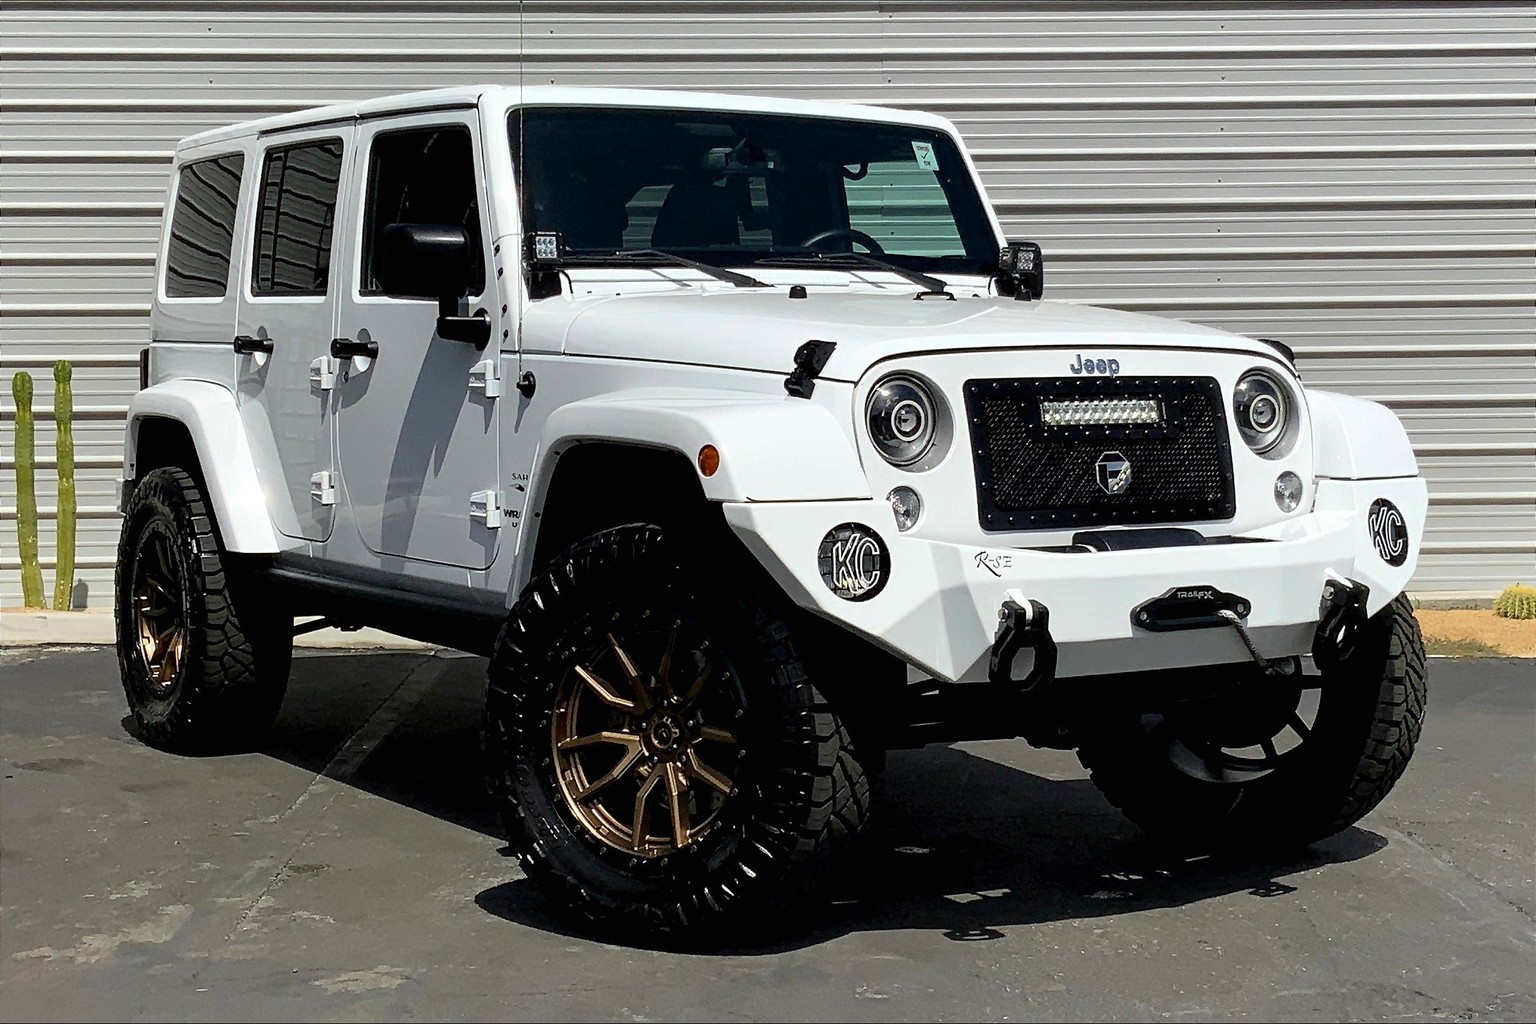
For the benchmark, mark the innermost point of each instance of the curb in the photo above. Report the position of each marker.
(33, 627)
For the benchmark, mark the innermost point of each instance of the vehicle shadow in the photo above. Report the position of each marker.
(966, 841)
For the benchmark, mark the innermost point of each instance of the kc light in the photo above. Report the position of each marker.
(1262, 406)
(903, 419)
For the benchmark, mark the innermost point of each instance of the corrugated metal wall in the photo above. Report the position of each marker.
(1353, 178)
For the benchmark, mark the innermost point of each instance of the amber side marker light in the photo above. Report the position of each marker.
(709, 460)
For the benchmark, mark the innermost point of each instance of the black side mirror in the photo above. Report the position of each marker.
(1021, 270)
(432, 261)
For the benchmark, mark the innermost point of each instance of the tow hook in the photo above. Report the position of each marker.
(1344, 613)
(1023, 624)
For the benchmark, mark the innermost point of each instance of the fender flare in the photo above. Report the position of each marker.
(771, 448)
(1356, 439)
(211, 416)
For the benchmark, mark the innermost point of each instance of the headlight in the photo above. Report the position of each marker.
(903, 419)
(1264, 410)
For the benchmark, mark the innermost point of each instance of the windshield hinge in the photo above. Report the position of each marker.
(484, 377)
(810, 359)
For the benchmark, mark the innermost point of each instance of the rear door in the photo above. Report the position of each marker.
(286, 320)
(416, 426)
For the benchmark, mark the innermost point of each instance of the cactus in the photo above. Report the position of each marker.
(26, 492)
(63, 416)
(1516, 602)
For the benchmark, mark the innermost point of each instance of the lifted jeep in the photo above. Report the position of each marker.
(740, 439)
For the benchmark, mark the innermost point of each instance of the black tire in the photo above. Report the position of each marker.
(799, 797)
(1370, 710)
(226, 684)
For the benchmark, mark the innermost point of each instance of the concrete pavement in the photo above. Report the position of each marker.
(350, 869)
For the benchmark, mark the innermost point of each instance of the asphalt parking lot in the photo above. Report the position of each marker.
(350, 870)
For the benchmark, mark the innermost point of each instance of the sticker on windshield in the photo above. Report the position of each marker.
(925, 158)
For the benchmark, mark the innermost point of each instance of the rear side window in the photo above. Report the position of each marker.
(203, 228)
(298, 211)
(422, 176)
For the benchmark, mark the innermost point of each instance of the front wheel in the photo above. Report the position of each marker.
(658, 755)
(1276, 762)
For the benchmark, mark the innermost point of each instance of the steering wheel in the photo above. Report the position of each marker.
(854, 234)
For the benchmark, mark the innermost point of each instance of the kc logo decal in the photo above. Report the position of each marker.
(854, 562)
(1389, 532)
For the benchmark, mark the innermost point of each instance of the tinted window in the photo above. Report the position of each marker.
(202, 228)
(298, 210)
(733, 188)
(422, 176)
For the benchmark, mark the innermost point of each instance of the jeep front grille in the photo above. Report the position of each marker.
(1038, 445)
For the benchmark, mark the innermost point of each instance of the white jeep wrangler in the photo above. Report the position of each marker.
(738, 437)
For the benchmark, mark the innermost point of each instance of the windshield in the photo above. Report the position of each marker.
(732, 189)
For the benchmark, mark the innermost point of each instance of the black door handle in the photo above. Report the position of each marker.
(244, 344)
(346, 348)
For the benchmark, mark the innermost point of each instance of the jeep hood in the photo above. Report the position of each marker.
(760, 330)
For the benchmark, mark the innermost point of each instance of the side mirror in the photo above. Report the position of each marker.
(1021, 270)
(432, 261)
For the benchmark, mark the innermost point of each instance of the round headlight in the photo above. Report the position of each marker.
(903, 419)
(1262, 406)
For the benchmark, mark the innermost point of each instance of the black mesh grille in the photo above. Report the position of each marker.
(1032, 475)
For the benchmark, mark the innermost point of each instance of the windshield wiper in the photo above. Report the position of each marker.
(646, 257)
(930, 285)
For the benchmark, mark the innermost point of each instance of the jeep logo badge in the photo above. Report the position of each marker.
(1114, 473)
(1389, 533)
(854, 562)
(1088, 364)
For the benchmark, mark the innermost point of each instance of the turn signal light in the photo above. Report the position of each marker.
(709, 460)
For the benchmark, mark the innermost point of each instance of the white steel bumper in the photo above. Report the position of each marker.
(939, 608)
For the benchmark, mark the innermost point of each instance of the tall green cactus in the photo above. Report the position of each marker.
(64, 445)
(26, 492)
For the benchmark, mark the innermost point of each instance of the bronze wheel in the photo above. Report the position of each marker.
(159, 607)
(658, 752)
(644, 741)
(204, 660)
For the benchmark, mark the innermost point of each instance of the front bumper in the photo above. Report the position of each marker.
(939, 608)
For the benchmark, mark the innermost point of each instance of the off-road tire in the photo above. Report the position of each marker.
(231, 680)
(1367, 725)
(800, 800)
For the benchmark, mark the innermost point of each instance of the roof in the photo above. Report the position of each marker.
(503, 97)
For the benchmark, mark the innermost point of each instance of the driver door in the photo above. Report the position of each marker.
(416, 427)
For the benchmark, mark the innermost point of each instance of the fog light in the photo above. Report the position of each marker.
(907, 506)
(854, 562)
(1288, 491)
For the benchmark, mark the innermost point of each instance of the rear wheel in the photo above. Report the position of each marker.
(204, 655)
(1279, 761)
(659, 757)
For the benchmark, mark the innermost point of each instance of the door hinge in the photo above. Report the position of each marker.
(484, 376)
(322, 374)
(322, 487)
(486, 505)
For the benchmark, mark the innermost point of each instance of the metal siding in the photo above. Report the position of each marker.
(1353, 178)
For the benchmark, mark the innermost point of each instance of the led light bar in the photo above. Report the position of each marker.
(1093, 412)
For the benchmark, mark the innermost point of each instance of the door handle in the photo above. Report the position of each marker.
(244, 344)
(346, 348)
